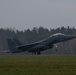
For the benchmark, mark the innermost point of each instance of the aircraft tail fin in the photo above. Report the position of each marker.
(11, 45)
(17, 41)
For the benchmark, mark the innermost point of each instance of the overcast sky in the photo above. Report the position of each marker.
(24, 14)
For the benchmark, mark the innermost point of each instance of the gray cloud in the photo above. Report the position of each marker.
(23, 14)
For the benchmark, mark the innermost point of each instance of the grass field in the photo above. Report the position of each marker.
(38, 65)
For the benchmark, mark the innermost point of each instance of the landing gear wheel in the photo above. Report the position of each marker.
(38, 53)
(34, 53)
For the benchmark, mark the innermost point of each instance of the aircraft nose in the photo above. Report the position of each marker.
(71, 36)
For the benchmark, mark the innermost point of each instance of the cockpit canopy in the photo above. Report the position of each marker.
(57, 34)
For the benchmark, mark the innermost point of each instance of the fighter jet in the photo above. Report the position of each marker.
(16, 46)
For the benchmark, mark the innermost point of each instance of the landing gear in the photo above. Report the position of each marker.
(36, 53)
(56, 47)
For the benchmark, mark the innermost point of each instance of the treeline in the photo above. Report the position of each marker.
(31, 35)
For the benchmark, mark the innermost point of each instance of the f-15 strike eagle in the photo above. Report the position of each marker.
(16, 46)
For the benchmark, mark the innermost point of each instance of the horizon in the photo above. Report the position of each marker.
(13, 28)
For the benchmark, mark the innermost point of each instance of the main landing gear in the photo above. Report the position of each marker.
(36, 53)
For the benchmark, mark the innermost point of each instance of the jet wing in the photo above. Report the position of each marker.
(25, 47)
